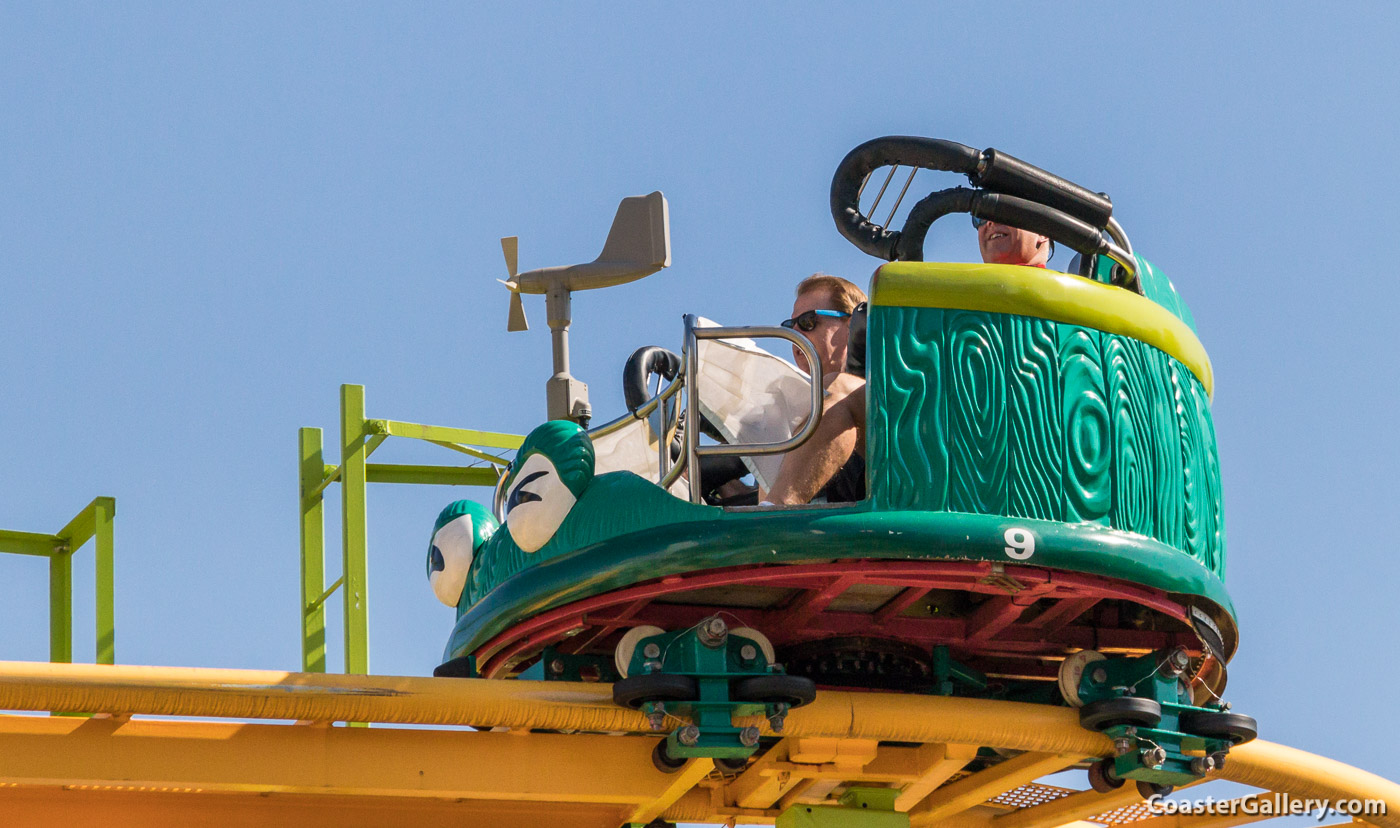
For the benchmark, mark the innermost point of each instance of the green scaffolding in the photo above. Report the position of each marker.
(93, 522)
(359, 437)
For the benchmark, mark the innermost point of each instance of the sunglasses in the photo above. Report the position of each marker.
(977, 222)
(807, 321)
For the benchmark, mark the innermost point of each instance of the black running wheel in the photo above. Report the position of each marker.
(1101, 777)
(794, 691)
(634, 691)
(1236, 727)
(1128, 710)
(1151, 789)
(663, 760)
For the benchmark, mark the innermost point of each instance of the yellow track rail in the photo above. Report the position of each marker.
(168, 772)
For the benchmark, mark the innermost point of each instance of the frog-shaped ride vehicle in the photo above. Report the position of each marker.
(1042, 519)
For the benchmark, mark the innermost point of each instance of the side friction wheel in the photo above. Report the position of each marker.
(1235, 727)
(1128, 710)
(634, 691)
(1101, 777)
(794, 691)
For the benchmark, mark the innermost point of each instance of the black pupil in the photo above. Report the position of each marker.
(435, 561)
(519, 495)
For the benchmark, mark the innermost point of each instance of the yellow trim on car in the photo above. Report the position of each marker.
(1046, 294)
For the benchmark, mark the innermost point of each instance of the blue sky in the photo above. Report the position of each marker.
(213, 215)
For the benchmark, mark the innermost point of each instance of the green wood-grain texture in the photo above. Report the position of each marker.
(999, 414)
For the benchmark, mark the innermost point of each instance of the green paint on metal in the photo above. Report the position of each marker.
(860, 807)
(353, 528)
(1159, 677)
(489, 439)
(93, 523)
(716, 667)
(27, 543)
(949, 675)
(313, 550)
(61, 607)
(432, 475)
(104, 509)
(359, 438)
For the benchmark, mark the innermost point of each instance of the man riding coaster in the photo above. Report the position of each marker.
(832, 461)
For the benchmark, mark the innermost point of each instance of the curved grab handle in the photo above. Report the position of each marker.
(1012, 192)
(645, 361)
(928, 153)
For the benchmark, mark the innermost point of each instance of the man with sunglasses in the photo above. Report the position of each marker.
(829, 464)
(832, 463)
(822, 313)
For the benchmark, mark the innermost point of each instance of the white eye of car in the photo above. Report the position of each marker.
(536, 503)
(450, 559)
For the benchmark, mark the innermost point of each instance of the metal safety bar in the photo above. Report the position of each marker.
(93, 523)
(691, 358)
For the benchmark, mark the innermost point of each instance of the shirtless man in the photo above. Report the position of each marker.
(841, 433)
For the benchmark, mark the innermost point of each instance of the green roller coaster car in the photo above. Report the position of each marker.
(1043, 517)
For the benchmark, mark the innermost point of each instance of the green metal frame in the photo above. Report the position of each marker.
(359, 437)
(93, 522)
(713, 667)
(859, 807)
(1151, 677)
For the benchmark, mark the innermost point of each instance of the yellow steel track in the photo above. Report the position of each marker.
(593, 767)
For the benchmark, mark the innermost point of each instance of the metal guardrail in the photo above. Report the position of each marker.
(359, 437)
(93, 522)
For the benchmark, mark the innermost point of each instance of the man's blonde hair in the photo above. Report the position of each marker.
(844, 294)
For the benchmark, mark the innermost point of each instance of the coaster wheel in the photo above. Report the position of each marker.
(733, 764)
(1102, 778)
(1128, 710)
(794, 691)
(1071, 671)
(622, 654)
(664, 761)
(1213, 724)
(1150, 789)
(634, 691)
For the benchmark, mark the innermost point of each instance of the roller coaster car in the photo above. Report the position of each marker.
(1042, 520)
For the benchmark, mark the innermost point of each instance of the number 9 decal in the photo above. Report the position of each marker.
(1020, 543)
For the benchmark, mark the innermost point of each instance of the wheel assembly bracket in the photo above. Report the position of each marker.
(707, 674)
(1144, 704)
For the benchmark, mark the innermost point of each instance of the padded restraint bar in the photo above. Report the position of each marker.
(1012, 192)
